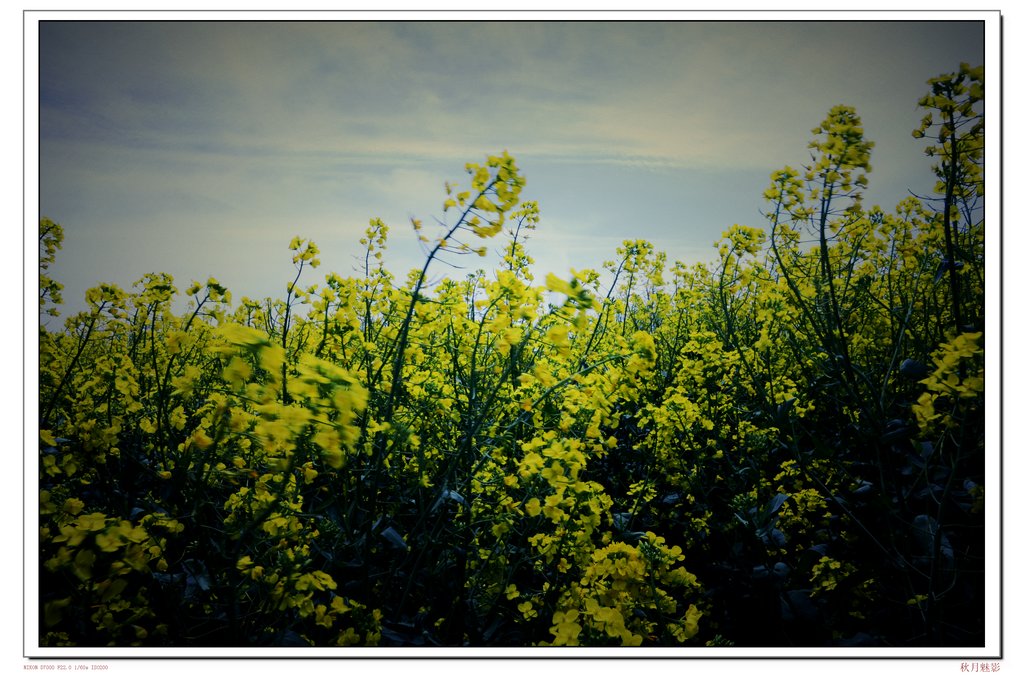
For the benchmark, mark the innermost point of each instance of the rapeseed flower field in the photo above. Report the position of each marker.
(781, 447)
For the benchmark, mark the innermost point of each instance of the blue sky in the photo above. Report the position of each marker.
(201, 149)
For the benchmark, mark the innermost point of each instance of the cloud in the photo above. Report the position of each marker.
(654, 94)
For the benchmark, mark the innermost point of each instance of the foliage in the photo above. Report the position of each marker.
(490, 461)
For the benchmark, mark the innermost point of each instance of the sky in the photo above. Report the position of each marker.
(202, 148)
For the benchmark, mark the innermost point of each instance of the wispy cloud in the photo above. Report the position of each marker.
(672, 95)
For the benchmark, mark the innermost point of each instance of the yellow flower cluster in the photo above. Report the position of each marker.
(949, 382)
(619, 597)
